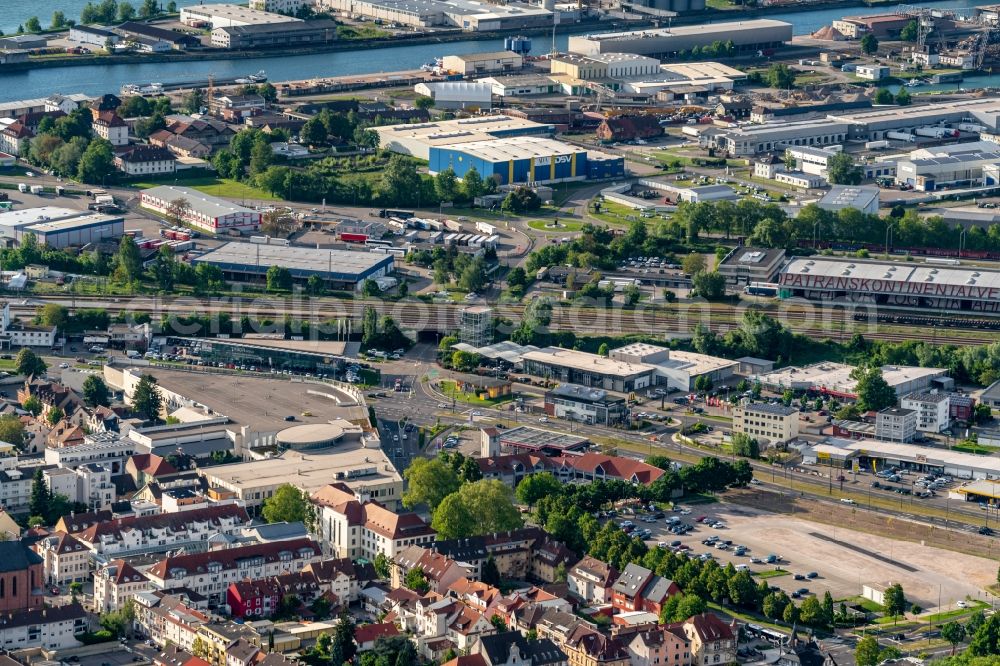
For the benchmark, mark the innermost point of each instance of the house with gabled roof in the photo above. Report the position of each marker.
(116, 583)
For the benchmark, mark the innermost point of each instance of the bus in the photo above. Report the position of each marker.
(401, 214)
(377, 243)
(762, 289)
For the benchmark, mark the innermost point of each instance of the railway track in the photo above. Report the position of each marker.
(835, 323)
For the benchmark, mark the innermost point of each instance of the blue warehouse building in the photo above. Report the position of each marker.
(525, 159)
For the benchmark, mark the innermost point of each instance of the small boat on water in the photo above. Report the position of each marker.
(259, 77)
(149, 89)
(913, 83)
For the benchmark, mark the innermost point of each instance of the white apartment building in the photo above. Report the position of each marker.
(591, 580)
(167, 619)
(17, 335)
(116, 583)
(933, 409)
(895, 424)
(64, 559)
(53, 628)
(211, 573)
(290, 7)
(160, 532)
(767, 423)
(103, 447)
(350, 528)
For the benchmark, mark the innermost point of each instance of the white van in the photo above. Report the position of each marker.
(743, 567)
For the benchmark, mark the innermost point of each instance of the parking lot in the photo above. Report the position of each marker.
(843, 560)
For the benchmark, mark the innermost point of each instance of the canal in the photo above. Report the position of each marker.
(98, 79)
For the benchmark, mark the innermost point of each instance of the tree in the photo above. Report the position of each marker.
(841, 170)
(867, 651)
(631, 293)
(903, 97)
(38, 503)
(261, 156)
(874, 393)
(178, 210)
(54, 415)
(343, 647)
(278, 223)
(33, 405)
(536, 486)
(883, 96)
(29, 364)
(58, 20)
(477, 508)
(954, 633)
(288, 504)
(869, 44)
(416, 581)
(746, 446)
(446, 185)
(986, 638)
(97, 163)
(811, 612)
(12, 430)
(491, 573)
(693, 263)
(828, 612)
(791, 613)
(498, 623)
(910, 31)
(400, 184)
(521, 200)
(128, 262)
(194, 101)
(710, 286)
(894, 601)
(279, 278)
(472, 184)
(428, 482)
(789, 159)
(95, 391)
(383, 566)
(75, 589)
(164, 267)
(370, 289)
(313, 133)
(33, 25)
(126, 12)
(146, 399)
(780, 76)
(423, 102)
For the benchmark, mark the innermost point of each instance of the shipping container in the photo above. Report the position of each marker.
(353, 238)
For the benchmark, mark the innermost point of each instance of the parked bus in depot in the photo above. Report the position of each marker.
(762, 289)
(401, 214)
(378, 243)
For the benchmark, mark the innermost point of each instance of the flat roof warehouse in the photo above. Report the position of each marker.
(251, 259)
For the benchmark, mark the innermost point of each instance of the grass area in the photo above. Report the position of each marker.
(361, 32)
(947, 616)
(720, 5)
(867, 604)
(773, 573)
(217, 187)
(564, 227)
(613, 213)
(978, 449)
(449, 389)
(811, 78)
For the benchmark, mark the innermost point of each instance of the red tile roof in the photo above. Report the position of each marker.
(367, 633)
(173, 521)
(229, 558)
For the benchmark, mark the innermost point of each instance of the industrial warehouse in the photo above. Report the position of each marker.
(339, 268)
(60, 227)
(940, 287)
(200, 210)
(511, 149)
(836, 379)
(755, 35)
(873, 455)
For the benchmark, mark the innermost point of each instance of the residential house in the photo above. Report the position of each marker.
(109, 126)
(242, 653)
(712, 640)
(639, 589)
(235, 108)
(52, 628)
(434, 618)
(735, 107)
(365, 635)
(511, 648)
(168, 619)
(171, 655)
(14, 139)
(586, 647)
(33, 119)
(157, 533)
(52, 395)
(211, 573)
(208, 131)
(527, 553)
(9, 529)
(143, 160)
(351, 528)
(254, 598)
(629, 128)
(591, 579)
(116, 583)
(661, 646)
(148, 467)
(439, 570)
(65, 433)
(22, 575)
(180, 146)
(64, 559)
(342, 577)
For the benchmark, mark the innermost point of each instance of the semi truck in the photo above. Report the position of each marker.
(901, 136)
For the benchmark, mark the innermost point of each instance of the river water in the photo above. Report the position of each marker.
(99, 79)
